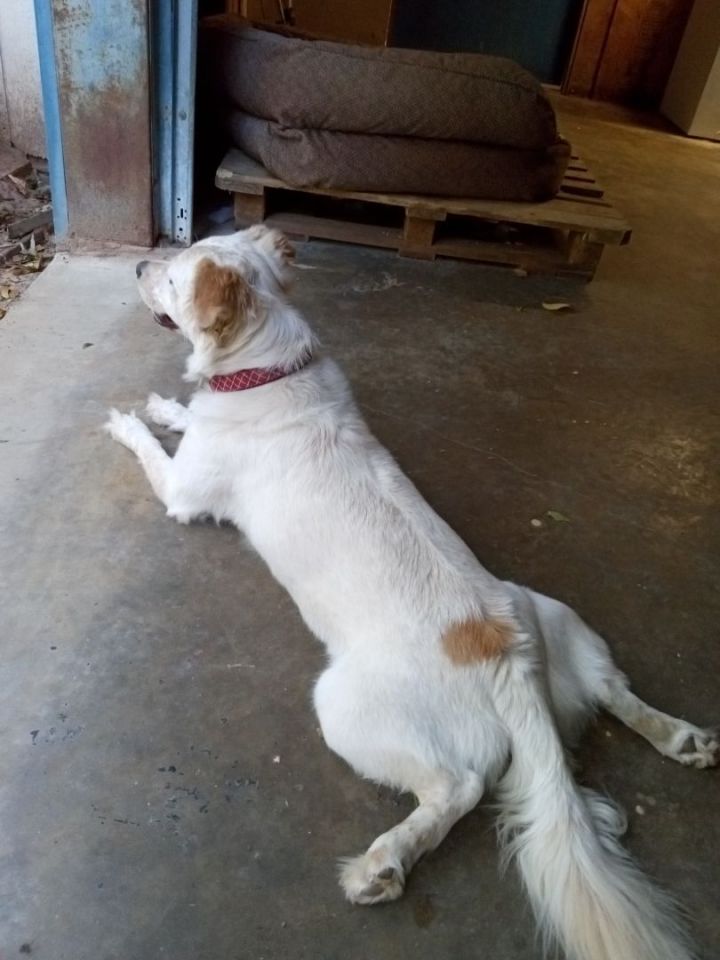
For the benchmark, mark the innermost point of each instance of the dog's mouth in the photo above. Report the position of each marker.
(165, 321)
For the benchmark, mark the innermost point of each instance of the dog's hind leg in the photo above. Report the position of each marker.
(379, 723)
(670, 736)
(379, 874)
(168, 413)
(582, 672)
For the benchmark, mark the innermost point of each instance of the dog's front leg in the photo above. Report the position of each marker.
(127, 429)
(168, 413)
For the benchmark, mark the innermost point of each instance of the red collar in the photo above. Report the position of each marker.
(253, 376)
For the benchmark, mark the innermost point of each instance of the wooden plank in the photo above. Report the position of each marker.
(580, 223)
(544, 260)
(324, 228)
(584, 178)
(248, 208)
(238, 169)
(581, 190)
(417, 238)
(595, 206)
(513, 255)
(12, 162)
(549, 260)
(42, 218)
(581, 251)
(607, 224)
(351, 21)
(581, 183)
(587, 52)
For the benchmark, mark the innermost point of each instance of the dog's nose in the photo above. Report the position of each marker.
(140, 267)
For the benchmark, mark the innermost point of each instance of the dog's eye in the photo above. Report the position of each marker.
(170, 281)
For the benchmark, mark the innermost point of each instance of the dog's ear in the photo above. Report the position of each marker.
(277, 248)
(280, 246)
(223, 298)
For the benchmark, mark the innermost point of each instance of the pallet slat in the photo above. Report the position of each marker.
(324, 228)
(579, 219)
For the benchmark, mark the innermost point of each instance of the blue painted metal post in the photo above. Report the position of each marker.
(51, 110)
(174, 52)
(103, 88)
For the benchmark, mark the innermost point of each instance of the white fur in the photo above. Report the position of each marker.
(378, 578)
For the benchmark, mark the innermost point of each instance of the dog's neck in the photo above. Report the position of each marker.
(248, 378)
(282, 342)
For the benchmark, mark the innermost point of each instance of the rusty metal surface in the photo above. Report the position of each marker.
(101, 51)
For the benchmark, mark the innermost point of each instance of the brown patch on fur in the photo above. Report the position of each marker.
(222, 299)
(473, 641)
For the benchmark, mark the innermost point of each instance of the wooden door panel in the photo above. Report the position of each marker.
(353, 21)
(640, 51)
(588, 48)
(625, 49)
(349, 21)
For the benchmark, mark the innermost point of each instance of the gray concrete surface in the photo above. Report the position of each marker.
(165, 792)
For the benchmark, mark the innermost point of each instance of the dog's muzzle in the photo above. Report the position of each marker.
(165, 321)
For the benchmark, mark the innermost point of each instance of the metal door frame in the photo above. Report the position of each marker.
(173, 46)
(51, 112)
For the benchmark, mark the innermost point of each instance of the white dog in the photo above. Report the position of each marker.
(439, 674)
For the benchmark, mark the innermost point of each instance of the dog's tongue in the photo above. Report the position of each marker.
(165, 321)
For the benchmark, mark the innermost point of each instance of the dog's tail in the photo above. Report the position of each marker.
(586, 892)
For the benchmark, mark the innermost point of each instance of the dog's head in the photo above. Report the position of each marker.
(217, 292)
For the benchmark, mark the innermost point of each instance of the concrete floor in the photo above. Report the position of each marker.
(165, 792)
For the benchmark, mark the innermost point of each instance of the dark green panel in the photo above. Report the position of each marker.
(536, 33)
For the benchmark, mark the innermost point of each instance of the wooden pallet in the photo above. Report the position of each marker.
(565, 235)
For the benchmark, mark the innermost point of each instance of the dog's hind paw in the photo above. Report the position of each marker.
(371, 878)
(695, 748)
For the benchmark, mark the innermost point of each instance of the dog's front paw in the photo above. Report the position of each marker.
(167, 413)
(125, 428)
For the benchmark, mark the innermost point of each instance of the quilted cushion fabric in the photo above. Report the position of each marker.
(354, 89)
(352, 161)
(346, 117)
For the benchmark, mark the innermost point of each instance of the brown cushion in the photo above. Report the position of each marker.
(333, 86)
(352, 161)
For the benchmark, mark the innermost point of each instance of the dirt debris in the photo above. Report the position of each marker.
(26, 239)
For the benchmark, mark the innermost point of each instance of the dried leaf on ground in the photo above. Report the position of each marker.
(557, 516)
(8, 191)
(554, 306)
(21, 199)
(18, 183)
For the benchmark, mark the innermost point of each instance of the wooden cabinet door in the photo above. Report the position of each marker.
(349, 21)
(625, 49)
(353, 21)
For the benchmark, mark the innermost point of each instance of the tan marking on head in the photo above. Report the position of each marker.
(473, 641)
(222, 298)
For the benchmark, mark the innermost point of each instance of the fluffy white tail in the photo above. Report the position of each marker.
(587, 893)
